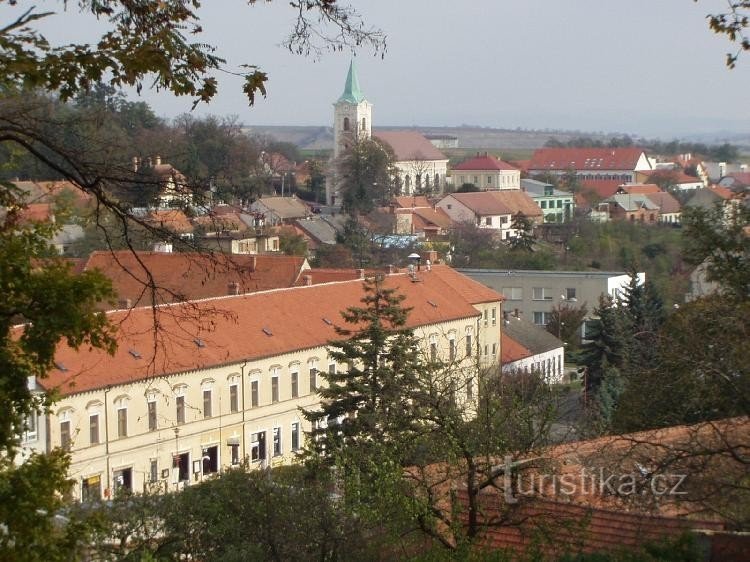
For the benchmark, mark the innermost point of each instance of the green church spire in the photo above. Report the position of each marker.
(352, 93)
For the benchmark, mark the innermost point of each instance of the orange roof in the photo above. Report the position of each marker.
(187, 276)
(171, 219)
(224, 221)
(512, 350)
(665, 201)
(409, 145)
(640, 188)
(599, 159)
(602, 188)
(721, 191)
(505, 202)
(248, 327)
(484, 163)
(36, 212)
(430, 217)
(411, 201)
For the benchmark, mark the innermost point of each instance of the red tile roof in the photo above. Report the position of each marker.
(489, 163)
(602, 188)
(741, 178)
(187, 276)
(250, 327)
(598, 159)
(172, 219)
(665, 201)
(505, 202)
(411, 201)
(640, 188)
(409, 145)
(721, 191)
(512, 350)
(430, 217)
(36, 212)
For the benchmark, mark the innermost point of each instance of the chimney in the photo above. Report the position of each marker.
(486, 153)
(233, 288)
(253, 263)
(360, 274)
(307, 280)
(157, 160)
(124, 304)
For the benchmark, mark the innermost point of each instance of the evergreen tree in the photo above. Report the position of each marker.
(370, 400)
(606, 346)
(524, 238)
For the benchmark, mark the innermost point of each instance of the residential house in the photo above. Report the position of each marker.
(633, 208)
(415, 214)
(280, 210)
(531, 349)
(556, 205)
(487, 173)
(736, 181)
(491, 209)
(224, 380)
(670, 210)
(174, 189)
(671, 179)
(591, 163)
(173, 221)
(317, 231)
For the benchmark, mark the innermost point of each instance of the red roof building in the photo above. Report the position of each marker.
(487, 172)
(591, 163)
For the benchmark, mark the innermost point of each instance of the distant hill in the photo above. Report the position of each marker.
(472, 137)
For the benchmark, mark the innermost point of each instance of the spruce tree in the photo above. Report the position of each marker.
(370, 400)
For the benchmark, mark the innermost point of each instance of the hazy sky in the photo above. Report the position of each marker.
(648, 67)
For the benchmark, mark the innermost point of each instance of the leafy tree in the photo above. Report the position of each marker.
(292, 244)
(316, 183)
(468, 188)
(720, 241)
(733, 24)
(565, 321)
(368, 174)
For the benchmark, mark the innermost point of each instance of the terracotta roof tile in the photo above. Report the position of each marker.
(187, 276)
(409, 145)
(640, 188)
(510, 201)
(585, 159)
(249, 327)
(512, 350)
(172, 219)
(665, 201)
(411, 201)
(488, 163)
(602, 188)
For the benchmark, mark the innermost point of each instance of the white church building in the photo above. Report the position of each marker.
(421, 167)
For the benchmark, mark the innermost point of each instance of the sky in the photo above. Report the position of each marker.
(643, 67)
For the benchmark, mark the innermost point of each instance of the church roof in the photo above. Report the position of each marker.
(352, 93)
(409, 145)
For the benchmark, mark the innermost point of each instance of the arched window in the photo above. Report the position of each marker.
(427, 181)
(364, 124)
(346, 123)
(437, 180)
(407, 184)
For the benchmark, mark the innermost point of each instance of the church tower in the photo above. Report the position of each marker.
(352, 121)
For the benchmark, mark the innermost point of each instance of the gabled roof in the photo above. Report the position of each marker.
(639, 188)
(250, 327)
(603, 188)
(665, 201)
(411, 201)
(283, 207)
(484, 163)
(596, 159)
(409, 145)
(352, 92)
(737, 178)
(505, 202)
(426, 217)
(534, 338)
(170, 219)
(221, 222)
(318, 229)
(633, 202)
(511, 350)
(187, 276)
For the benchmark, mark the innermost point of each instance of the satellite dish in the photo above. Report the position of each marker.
(414, 256)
